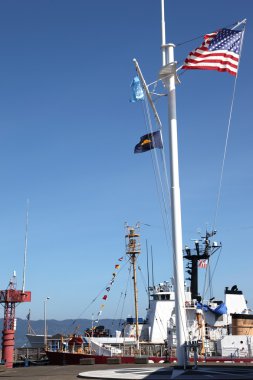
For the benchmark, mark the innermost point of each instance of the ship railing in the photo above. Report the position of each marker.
(145, 349)
(163, 287)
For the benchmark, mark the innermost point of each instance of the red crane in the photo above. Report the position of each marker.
(9, 298)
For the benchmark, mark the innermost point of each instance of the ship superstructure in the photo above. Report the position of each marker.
(220, 327)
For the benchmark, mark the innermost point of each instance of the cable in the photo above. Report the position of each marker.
(226, 141)
(212, 274)
(158, 178)
(202, 35)
(117, 307)
(165, 219)
(143, 280)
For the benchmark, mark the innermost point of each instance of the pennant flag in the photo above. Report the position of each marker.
(121, 258)
(219, 51)
(28, 316)
(137, 91)
(148, 142)
(202, 264)
(108, 288)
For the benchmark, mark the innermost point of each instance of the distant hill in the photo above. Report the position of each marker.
(67, 326)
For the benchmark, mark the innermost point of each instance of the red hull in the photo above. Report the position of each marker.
(67, 358)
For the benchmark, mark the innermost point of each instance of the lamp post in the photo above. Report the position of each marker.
(45, 322)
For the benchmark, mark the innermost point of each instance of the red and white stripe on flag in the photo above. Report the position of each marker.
(203, 263)
(219, 51)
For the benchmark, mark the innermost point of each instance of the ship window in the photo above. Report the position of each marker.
(163, 296)
(167, 296)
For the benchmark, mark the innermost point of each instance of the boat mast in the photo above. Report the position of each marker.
(133, 249)
(203, 251)
(167, 59)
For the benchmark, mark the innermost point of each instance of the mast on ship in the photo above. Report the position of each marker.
(202, 251)
(169, 78)
(133, 249)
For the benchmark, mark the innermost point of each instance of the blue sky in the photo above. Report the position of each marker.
(67, 133)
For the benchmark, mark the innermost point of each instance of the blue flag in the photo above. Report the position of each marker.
(137, 91)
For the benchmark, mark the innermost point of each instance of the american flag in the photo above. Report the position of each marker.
(219, 51)
(203, 263)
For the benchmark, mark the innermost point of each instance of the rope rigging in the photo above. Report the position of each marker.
(202, 35)
(226, 145)
(116, 310)
(105, 289)
(124, 295)
(162, 187)
(143, 279)
(211, 275)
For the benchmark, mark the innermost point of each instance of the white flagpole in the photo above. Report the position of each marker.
(163, 30)
(168, 57)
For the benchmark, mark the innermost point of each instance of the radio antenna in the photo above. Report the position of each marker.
(25, 251)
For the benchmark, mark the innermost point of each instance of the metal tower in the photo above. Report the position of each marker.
(9, 298)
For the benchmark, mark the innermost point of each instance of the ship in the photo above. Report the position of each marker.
(220, 329)
(180, 325)
(97, 343)
(36, 340)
